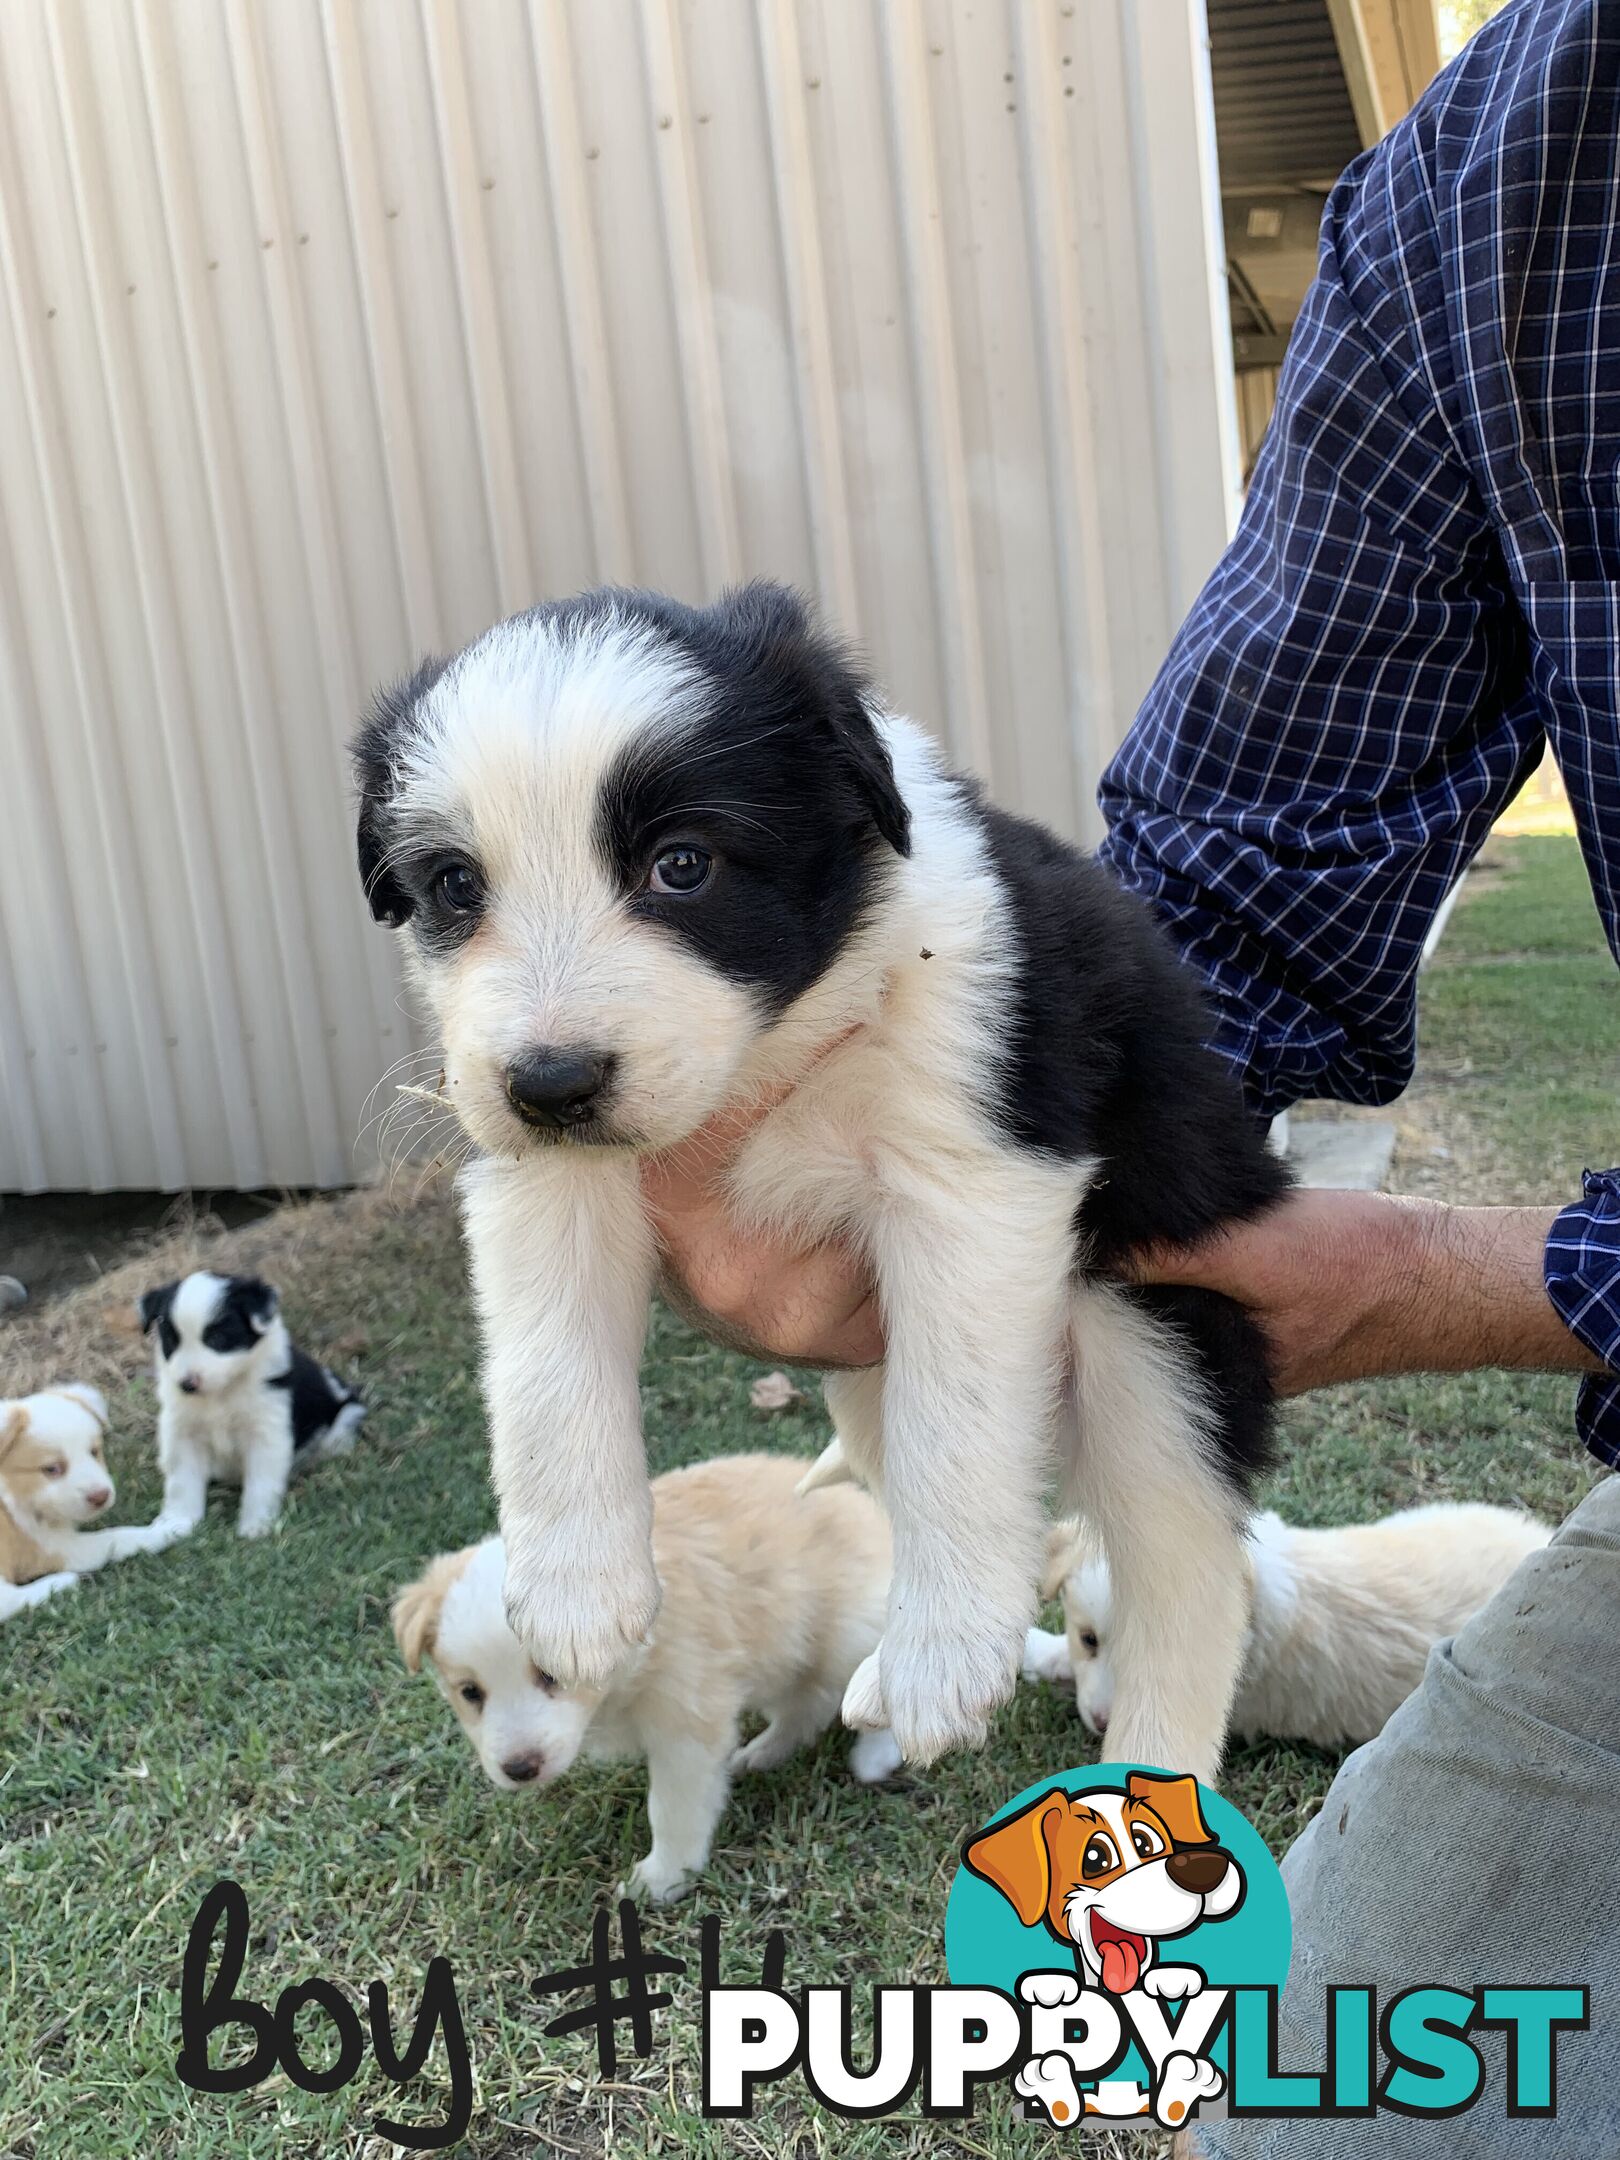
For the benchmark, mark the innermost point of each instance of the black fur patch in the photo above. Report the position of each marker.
(1106, 1058)
(314, 1397)
(784, 782)
(245, 1309)
(154, 1310)
(1229, 1356)
(373, 751)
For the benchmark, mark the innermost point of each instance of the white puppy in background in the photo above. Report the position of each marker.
(1341, 1621)
(238, 1402)
(53, 1480)
(770, 1602)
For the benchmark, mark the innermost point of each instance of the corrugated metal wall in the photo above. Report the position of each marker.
(334, 328)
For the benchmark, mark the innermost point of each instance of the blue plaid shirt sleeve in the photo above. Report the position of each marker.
(1343, 714)
(1583, 1281)
(1423, 589)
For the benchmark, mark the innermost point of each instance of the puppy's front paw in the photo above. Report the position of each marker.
(936, 1689)
(656, 1881)
(1046, 1657)
(257, 1524)
(1172, 1983)
(1050, 1990)
(149, 1537)
(578, 1619)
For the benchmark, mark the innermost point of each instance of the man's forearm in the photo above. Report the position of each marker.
(1464, 1288)
(1347, 1286)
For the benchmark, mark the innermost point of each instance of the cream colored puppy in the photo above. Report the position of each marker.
(1340, 1621)
(769, 1604)
(53, 1481)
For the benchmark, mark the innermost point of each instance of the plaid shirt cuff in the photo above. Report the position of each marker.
(1582, 1273)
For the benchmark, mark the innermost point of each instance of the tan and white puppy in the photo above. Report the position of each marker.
(769, 1604)
(53, 1481)
(1341, 1621)
(651, 861)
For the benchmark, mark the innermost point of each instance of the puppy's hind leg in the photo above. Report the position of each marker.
(338, 1438)
(1146, 1476)
(854, 1455)
(18, 1597)
(804, 1716)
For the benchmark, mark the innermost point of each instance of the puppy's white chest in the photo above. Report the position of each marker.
(222, 1431)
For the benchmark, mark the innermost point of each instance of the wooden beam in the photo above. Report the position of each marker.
(1361, 76)
(1390, 52)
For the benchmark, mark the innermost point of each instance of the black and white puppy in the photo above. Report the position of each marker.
(656, 859)
(238, 1402)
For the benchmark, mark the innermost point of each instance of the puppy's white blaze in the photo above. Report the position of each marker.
(507, 759)
(518, 1717)
(520, 730)
(1144, 1472)
(195, 1303)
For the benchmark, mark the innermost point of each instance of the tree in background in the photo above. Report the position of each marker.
(1459, 19)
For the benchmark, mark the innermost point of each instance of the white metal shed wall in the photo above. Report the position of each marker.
(335, 328)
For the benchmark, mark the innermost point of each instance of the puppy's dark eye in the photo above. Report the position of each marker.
(1099, 1856)
(543, 1680)
(458, 888)
(53, 1469)
(473, 1695)
(681, 869)
(1088, 1640)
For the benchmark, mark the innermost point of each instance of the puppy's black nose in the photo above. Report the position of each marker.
(557, 1087)
(521, 1768)
(189, 1383)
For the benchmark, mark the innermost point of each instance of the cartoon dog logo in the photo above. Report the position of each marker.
(1112, 1874)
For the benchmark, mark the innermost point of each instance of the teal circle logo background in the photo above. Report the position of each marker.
(987, 1946)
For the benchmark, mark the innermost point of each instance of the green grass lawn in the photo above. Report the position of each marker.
(239, 1710)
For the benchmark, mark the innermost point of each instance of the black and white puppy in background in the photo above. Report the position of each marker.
(238, 1402)
(654, 859)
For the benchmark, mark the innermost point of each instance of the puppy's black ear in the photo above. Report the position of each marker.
(373, 751)
(870, 769)
(257, 1301)
(154, 1304)
(805, 672)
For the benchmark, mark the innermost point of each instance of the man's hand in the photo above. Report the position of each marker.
(1344, 1285)
(812, 1307)
(1348, 1285)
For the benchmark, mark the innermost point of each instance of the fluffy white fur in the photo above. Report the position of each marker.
(769, 1603)
(884, 1141)
(53, 1480)
(1339, 1622)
